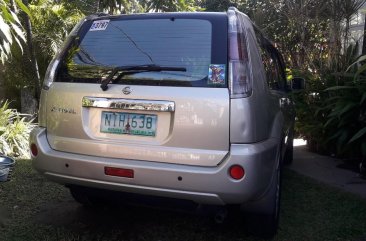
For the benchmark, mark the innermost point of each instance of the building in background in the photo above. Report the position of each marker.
(357, 26)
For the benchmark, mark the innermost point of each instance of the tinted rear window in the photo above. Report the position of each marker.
(167, 42)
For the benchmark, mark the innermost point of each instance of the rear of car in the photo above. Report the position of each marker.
(171, 105)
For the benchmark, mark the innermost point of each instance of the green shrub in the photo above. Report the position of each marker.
(346, 109)
(347, 118)
(14, 132)
(331, 112)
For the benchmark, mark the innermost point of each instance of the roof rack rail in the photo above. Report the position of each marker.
(97, 15)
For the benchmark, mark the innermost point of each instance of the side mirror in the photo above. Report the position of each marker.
(298, 83)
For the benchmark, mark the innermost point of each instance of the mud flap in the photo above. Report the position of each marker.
(262, 216)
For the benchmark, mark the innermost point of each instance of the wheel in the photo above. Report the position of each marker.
(289, 154)
(265, 224)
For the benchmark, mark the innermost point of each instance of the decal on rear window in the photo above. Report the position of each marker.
(216, 74)
(99, 25)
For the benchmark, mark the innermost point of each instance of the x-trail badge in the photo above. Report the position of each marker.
(126, 90)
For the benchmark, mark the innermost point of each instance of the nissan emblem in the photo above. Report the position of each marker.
(126, 90)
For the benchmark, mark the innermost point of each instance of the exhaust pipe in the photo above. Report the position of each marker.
(221, 215)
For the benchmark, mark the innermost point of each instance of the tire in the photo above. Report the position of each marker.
(289, 154)
(265, 225)
(363, 168)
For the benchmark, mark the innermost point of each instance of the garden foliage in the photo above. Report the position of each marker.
(14, 132)
(332, 111)
(11, 30)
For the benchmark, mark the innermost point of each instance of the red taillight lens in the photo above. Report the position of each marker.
(118, 172)
(34, 149)
(236, 172)
(240, 76)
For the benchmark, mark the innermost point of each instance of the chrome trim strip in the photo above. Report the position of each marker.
(128, 104)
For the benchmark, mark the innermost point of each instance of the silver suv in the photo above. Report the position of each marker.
(188, 106)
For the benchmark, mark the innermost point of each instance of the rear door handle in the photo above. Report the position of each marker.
(129, 104)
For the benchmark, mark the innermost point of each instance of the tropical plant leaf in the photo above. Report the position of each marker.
(5, 32)
(329, 121)
(346, 108)
(15, 17)
(363, 98)
(363, 148)
(360, 59)
(342, 139)
(332, 99)
(359, 134)
(360, 70)
(18, 31)
(6, 14)
(6, 47)
(343, 74)
(340, 88)
(10, 29)
(14, 131)
(334, 136)
(19, 44)
(24, 8)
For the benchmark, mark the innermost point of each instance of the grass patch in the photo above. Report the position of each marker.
(31, 208)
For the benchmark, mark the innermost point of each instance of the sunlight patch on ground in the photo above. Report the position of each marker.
(299, 142)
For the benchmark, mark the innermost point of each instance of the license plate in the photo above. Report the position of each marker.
(128, 123)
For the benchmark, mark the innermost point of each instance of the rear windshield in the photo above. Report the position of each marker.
(186, 44)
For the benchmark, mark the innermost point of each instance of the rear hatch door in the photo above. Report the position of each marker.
(178, 115)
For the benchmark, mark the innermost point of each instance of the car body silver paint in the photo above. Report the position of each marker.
(208, 185)
(253, 119)
(245, 131)
(195, 133)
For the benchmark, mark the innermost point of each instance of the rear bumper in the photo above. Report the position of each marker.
(206, 185)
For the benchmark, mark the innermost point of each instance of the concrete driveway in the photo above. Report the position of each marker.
(327, 170)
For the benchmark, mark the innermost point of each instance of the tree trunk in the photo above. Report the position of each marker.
(31, 52)
(364, 37)
(97, 6)
(346, 34)
(334, 44)
(28, 103)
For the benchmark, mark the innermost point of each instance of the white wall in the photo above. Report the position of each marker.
(357, 27)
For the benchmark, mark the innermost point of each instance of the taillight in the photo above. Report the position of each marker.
(240, 78)
(236, 172)
(34, 149)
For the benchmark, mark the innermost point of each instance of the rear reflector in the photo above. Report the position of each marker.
(236, 172)
(34, 149)
(118, 172)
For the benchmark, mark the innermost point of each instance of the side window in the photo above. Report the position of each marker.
(273, 64)
(271, 70)
(280, 68)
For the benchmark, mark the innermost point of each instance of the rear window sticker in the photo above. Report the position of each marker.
(216, 74)
(99, 25)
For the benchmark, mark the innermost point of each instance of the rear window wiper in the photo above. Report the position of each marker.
(126, 70)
